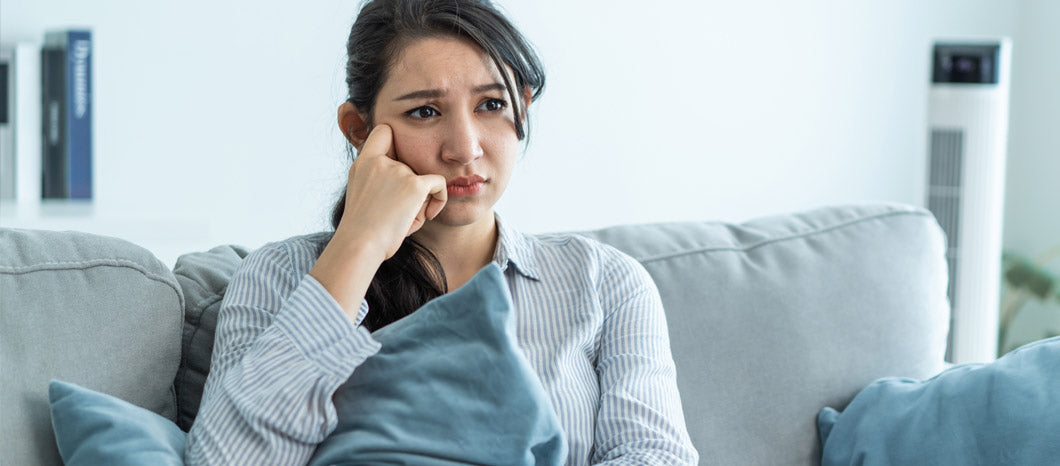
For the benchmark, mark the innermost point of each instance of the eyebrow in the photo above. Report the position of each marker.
(436, 93)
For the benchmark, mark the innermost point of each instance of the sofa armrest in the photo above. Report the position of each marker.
(97, 311)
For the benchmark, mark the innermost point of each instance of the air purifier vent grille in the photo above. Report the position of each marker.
(944, 195)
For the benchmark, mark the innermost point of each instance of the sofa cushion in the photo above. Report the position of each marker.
(773, 319)
(94, 429)
(449, 386)
(1005, 412)
(203, 276)
(97, 311)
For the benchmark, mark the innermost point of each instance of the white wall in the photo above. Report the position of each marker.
(216, 119)
(1032, 199)
(702, 110)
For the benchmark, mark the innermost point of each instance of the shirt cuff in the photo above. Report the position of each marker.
(362, 312)
(320, 329)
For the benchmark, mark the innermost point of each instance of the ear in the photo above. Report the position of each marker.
(527, 96)
(353, 125)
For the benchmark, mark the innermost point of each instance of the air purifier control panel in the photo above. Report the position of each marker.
(965, 63)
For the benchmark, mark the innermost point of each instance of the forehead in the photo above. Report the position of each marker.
(440, 63)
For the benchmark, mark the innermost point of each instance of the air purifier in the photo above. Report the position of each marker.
(968, 132)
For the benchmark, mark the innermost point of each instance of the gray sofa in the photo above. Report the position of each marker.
(770, 321)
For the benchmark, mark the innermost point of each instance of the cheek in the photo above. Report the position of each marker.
(414, 148)
(503, 157)
(499, 138)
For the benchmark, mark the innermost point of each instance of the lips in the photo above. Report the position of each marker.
(465, 186)
(465, 181)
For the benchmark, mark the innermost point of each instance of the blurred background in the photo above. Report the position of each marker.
(215, 121)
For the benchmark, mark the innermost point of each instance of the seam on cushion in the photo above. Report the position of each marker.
(176, 402)
(200, 308)
(767, 242)
(185, 366)
(117, 263)
(82, 265)
(187, 315)
(209, 301)
(196, 329)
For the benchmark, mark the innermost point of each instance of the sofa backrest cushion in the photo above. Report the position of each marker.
(773, 319)
(97, 311)
(204, 278)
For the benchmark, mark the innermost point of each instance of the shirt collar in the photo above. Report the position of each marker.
(515, 248)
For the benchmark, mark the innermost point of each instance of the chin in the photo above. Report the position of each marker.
(461, 215)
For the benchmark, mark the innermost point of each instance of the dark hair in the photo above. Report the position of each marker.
(383, 28)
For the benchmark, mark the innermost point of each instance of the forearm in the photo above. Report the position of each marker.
(346, 269)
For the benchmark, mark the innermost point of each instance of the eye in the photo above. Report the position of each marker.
(422, 113)
(493, 105)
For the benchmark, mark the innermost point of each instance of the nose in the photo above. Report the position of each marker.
(462, 140)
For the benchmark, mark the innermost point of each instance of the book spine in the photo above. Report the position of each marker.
(53, 137)
(79, 114)
(7, 123)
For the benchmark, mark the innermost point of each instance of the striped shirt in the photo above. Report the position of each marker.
(588, 318)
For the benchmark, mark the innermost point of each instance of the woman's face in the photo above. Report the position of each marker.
(451, 116)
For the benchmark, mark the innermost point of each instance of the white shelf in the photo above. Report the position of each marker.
(167, 237)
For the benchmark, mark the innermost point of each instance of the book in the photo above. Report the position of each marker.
(66, 115)
(7, 123)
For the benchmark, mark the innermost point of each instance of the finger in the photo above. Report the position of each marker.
(417, 223)
(380, 142)
(439, 195)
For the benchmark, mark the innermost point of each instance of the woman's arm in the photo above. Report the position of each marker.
(640, 420)
(288, 337)
(282, 348)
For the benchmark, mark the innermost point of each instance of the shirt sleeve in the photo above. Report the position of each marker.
(282, 348)
(640, 420)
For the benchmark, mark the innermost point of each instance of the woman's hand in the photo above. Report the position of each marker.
(385, 202)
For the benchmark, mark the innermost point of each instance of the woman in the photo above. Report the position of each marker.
(438, 95)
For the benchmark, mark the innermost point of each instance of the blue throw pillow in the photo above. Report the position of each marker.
(1005, 412)
(93, 428)
(448, 386)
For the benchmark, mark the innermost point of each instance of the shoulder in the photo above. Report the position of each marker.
(602, 262)
(574, 243)
(295, 255)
